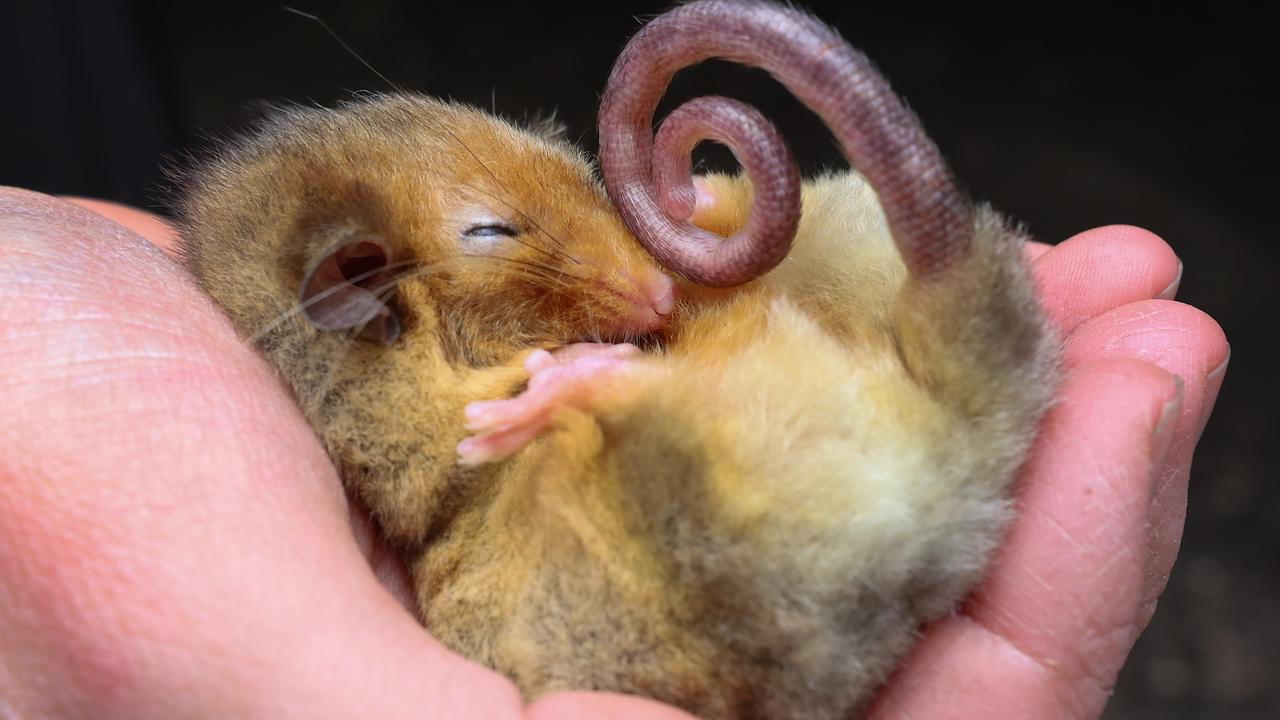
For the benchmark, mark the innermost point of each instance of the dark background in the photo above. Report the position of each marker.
(1068, 121)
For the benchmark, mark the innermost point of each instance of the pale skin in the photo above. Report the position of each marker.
(174, 542)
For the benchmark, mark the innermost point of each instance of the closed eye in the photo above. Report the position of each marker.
(489, 231)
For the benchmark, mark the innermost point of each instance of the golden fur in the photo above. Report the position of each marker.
(749, 523)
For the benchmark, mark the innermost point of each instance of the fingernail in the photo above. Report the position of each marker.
(1172, 289)
(1162, 434)
(1212, 385)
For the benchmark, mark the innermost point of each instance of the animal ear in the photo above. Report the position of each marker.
(341, 289)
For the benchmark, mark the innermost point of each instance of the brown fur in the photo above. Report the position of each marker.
(751, 523)
(408, 169)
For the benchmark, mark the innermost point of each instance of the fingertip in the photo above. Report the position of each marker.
(1136, 404)
(1170, 291)
(1102, 269)
(1137, 241)
(1180, 338)
(1133, 384)
(154, 229)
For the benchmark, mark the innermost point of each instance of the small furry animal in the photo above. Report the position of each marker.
(750, 517)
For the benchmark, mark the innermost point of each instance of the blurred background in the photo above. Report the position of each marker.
(1067, 120)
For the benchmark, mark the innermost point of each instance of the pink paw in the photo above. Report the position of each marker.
(563, 379)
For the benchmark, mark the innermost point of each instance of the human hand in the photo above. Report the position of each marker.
(1101, 501)
(173, 541)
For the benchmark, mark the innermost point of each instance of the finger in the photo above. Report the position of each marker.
(1048, 630)
(155, 230)
(173, 540)
(1189, 344)
(1102, 269)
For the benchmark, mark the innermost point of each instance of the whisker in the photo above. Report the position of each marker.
(540, 274)
(343, 43)
(395, 281)
(551, 279)
(550, 273)
(548, 253)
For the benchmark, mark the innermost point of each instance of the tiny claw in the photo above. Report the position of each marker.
(468, 452)
(538, 360)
